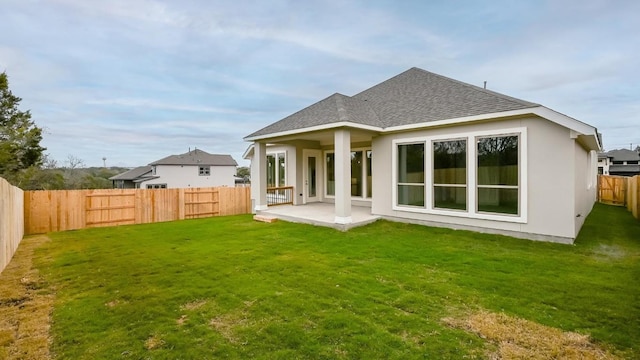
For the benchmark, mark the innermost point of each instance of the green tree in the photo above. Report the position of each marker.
(243, 172)
(19, 136)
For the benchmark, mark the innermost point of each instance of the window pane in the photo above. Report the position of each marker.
(411, 195)
(369, 184)
(281, 170)
(498, 160)
(331, 175)
(271, 171)
(356, 173)
(411, 163)
(450, 162)
(449, 197)
(503, 201)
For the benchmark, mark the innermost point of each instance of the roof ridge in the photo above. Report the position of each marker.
(477, 88)
(343, 114)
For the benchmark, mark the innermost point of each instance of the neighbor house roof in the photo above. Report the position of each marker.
(197, 157)
(623, 155)
(413, 99)
(133, 173)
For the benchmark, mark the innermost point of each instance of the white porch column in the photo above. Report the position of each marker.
(259, 176)
(342, 138)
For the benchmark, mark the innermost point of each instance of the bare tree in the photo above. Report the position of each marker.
(74, 162)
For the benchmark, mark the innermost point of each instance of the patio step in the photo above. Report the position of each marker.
(265, 218)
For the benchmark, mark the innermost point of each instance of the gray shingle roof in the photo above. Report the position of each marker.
(335, 108)
(623, 155)
(631, 169)
(132, 174)
(197, 157)
(412, 97)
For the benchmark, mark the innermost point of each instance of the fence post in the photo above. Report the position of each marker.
(181, 204)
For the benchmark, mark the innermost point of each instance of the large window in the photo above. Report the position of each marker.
(411, 174)
(450, 174)
(276, 170)
(497, 174)
(480, 175)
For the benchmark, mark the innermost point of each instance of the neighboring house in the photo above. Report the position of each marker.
(622, 162)
(427, 149)
(131, 179)
(604, 162)
(195, 168)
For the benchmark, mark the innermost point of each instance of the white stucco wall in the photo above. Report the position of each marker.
(550, 176)
(585, 184)
(185, 176)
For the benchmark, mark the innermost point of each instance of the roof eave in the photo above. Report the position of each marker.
(329, 126)
(587, 133)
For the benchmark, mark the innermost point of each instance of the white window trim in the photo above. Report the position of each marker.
(364, 173)
(471, 211)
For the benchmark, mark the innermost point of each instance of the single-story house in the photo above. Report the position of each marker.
(195, 168)
(427, 149)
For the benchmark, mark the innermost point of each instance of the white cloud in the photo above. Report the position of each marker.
(144, 78)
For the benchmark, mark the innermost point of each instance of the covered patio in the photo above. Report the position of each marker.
(320, 214)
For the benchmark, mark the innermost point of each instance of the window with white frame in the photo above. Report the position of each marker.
(478, 174)
(360, 160)
(156, 186)
(411, 179)
(331, 174)
(204, 170)
(450, 174)
(498, 174)
(276, 169)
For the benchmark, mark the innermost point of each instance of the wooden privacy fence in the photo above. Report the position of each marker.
(11, 221)
(61, 210)
(612, 189)
(621, 191)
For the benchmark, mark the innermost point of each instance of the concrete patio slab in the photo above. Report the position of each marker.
(320, 214)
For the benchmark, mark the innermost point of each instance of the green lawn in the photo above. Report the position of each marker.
(230, 287)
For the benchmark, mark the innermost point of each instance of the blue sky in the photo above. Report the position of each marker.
(137, 80)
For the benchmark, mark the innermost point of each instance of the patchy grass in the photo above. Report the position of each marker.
(522, 339)
(26, 302)
(230, 287)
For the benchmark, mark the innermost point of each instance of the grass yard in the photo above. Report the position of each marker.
(230, 287)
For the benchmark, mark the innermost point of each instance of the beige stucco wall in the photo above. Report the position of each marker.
(550, 172)
(185, 176)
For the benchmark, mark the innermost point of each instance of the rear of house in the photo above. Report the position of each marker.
(426, 149)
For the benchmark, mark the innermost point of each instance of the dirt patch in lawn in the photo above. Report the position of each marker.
(26, 303)
(523, 339)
